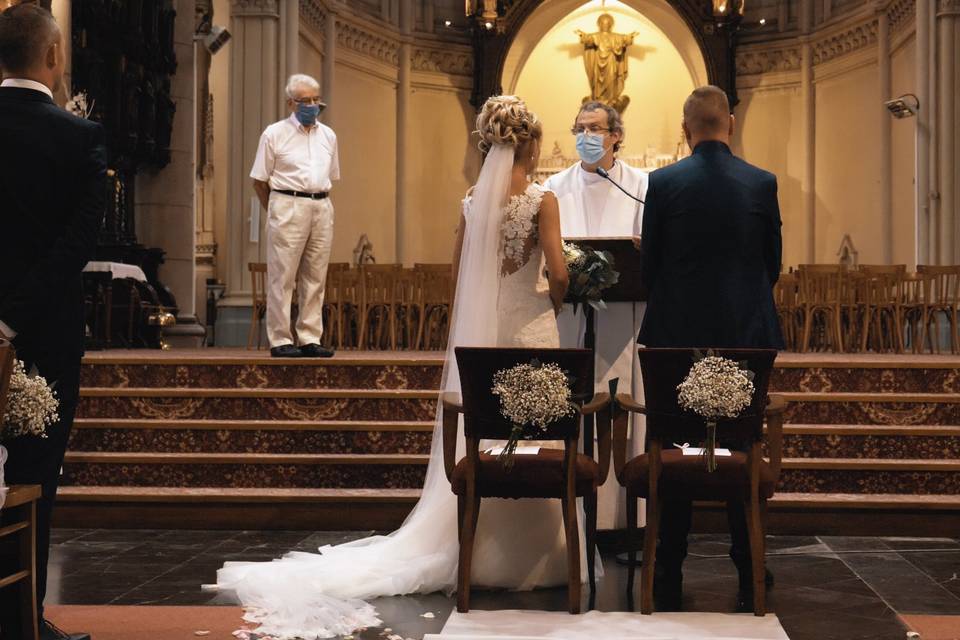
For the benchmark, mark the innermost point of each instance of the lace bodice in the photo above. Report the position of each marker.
(519, 229)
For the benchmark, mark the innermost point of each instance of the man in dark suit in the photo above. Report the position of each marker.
(52, 194)
(711, 254)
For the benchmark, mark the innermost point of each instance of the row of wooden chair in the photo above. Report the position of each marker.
(375, 306)
(567, 474)
(880, 308)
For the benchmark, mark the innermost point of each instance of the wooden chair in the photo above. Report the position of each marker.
(785, 297)
(882, 315)
(661, 473)
(821, 288)
(914, 286)
(550, 474)
(334, 305)
(941, 296)
(258, 291)
(435, 285)
(19, 518)
(407, 309)
(378, 328)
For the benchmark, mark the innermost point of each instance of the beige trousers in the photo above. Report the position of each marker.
(299, 237)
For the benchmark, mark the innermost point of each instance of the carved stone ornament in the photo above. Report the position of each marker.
(313, 14)
(847, 41)
(254, 8)
(901, 13)
(454, 62)
(767, 60)
(948, 7)
(350, 36)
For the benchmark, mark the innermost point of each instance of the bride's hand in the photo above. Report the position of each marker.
(557, 306)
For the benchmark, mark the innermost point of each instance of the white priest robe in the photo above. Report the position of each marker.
(591, 207)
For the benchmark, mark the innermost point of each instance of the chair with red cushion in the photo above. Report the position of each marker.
(663, 473)
(562, 474)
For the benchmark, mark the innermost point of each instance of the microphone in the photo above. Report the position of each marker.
(603, 174)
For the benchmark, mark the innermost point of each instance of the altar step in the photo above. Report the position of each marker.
(385, 509)
(343, 443)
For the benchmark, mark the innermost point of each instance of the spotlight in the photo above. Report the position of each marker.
(447, 23)
(763, 21)
(906, 106)
(488, 25)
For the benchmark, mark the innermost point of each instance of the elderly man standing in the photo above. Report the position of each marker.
(296, 162)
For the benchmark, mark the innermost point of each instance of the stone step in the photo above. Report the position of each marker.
(258, 404)
(872, 408)
(864, 373)
(357, 370)
(239, 470)
(385, 509)
(870, 475)
(250, 436)
(871, 441)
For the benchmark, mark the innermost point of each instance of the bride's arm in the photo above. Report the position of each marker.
(552, 244)
(457, 250)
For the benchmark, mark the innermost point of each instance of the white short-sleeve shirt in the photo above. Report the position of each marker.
(292, 157)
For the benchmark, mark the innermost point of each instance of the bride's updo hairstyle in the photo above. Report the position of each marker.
(506, 120)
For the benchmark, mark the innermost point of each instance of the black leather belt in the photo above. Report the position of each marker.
(320, 195)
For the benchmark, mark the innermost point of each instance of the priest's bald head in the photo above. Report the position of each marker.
(706, 116)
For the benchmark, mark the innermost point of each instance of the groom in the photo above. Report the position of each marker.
(711, 254)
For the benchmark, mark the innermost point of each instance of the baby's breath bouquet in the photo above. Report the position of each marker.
(31, 405)
(716, 388)
(532, 396)
(591, 273)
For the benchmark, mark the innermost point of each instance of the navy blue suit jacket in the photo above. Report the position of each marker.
(711, 253)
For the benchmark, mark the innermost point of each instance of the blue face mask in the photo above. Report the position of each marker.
(590, 147)
(307, 114)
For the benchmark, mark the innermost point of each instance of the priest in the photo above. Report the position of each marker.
(591, 206)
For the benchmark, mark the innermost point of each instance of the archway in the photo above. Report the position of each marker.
(544, 65)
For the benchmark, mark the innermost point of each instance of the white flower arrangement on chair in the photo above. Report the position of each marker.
(715, 388)
(532, 396)
(31, 405)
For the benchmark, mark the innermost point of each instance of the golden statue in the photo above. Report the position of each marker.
(605, 59)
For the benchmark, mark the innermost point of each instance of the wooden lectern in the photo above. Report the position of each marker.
(629, 288)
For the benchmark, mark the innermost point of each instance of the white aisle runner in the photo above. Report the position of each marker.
(597, 625)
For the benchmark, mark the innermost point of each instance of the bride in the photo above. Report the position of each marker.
(508, 239)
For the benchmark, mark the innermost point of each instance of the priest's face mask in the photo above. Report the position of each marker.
(594, 138)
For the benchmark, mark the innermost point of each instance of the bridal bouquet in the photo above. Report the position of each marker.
(31, 405)
(715, 388)
(532, 396)
(77, 105)
(591, 273)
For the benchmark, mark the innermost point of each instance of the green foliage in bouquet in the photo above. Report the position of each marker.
(591, 273)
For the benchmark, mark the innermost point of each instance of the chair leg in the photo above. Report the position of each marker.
(471, 512)
(590, 513)
(632, 549)
(649, 555)
(807, 328)
(755, 532)
(569, 506)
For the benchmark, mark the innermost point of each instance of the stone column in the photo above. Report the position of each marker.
(403, 125)
(947, 17)
(255, 90)
(923, 133)
(886, 145)
(809, 115)
(166, 200)
(290, 21)
(329, 59)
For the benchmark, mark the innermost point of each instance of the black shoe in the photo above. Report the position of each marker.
(49, 631)
(668, 591)
(746, 580)
(285, 351)
(315, 351)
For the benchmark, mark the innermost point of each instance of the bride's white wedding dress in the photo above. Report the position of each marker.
(503, 300)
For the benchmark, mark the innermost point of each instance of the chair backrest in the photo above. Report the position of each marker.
(785, 291)
(379, 283)
(435, 283)
(942, 285)
(7, 355)
(258, 282)
(820, 284)
(664, 370)
(334, 289)
(478, 365)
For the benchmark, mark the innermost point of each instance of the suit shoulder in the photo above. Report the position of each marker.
(755, 172)
(669, 172)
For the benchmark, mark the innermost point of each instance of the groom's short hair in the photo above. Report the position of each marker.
(26, 31)
(706, 110)
(614, 121)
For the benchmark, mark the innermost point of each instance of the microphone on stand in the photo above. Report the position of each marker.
(603, 174)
